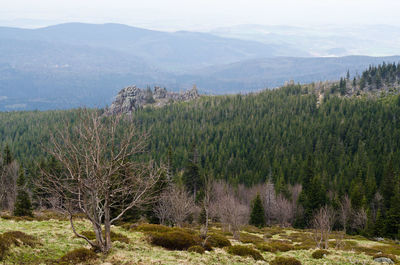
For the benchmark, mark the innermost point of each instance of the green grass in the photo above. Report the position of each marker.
(55, 239)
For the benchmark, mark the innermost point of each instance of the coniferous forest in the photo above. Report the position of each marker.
(335, 148)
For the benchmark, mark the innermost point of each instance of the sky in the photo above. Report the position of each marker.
(199, 14)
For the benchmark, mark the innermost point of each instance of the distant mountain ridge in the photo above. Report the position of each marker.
(172, 50)
(75, 64)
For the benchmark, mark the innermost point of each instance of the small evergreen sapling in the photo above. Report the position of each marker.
(257, 212)
(23, 205)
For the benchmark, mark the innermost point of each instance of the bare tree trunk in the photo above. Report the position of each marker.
(107, 227)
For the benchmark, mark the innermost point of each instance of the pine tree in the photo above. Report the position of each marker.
(7, 157)
(257, 212)
(23, 205)
(392, 221)
(388, 184)
(191, 175)
(379, 228)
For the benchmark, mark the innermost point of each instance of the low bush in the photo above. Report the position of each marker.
(320, 253)
(218, 241)
(80, 255)
(174, 240)
(17, 218)
(249, 238)
(197, 249)
(245, 251)
(15, 238)
(285, 261)
(114, 236)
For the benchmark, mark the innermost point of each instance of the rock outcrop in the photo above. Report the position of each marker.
(132, 98)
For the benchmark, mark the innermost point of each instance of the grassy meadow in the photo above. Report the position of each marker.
(54, 238)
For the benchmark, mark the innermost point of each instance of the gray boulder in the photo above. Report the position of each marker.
(384, 260)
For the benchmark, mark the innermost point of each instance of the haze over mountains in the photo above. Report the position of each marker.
(75, 64)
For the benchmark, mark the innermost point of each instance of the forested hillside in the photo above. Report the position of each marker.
(247, 138)
(340, 145)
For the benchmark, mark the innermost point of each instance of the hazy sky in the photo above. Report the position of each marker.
(200, 14)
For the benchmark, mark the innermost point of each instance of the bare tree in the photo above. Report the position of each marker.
(8, 184)
(359, 219)
(99, 172)
(176, 205)
(161, 209)
(230, 210)
(345, 212)
(269, 201)
(206, 205)
(323, 222)
(284, 211)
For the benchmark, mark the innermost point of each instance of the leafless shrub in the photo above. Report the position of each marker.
(323, 221)
(175, 205)
(99, 172)
(359, 219)
(344, 212)
(229, 209)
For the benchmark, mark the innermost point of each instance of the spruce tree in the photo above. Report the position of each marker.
(379, 228)
(7, 157)
(392, 221)
(23, 205)
(257, 212)
(191, 175)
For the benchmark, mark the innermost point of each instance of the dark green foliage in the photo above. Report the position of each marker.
(313, 195)
(392, 221)
(377, 76)
(379, 227)
(257, 212)
(80, 255)
(285, 261)
(245, 251)
(191, 175)
(197, 249)
(23, 205)
(320, 253)
(174, 240)
(114, 236)
(218, 241)
(7, 156)
(245, 138)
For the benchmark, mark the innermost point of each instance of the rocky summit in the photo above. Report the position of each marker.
(132, 98)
